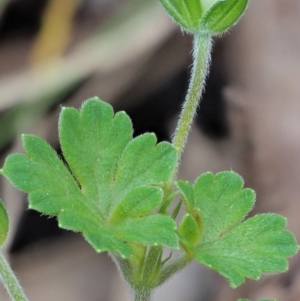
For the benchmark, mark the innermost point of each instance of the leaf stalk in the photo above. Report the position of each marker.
(10, 282)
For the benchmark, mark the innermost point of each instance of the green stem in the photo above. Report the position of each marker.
(173, 267)
(10, 282)
(201, 55)
(142, 295)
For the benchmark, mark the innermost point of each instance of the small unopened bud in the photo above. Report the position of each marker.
(209, 16)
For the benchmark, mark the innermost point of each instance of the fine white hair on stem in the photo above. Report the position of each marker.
(201, 62)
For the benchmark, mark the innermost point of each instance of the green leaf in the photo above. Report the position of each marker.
(110, 185)
(187, 192)
(189, 230)
(136, 203)
(222, 15)
(237, 248)
(4, 224)
(186, 13)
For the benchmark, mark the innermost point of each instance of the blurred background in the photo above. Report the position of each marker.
(130, 54)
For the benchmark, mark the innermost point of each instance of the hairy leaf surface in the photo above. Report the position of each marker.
(110, 185)
(236, 248)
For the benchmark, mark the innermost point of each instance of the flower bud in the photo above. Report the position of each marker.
(209, 16)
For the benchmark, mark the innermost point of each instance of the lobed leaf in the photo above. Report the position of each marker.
(4, 224)
(110, 185)
(221, 201)
(236, 248)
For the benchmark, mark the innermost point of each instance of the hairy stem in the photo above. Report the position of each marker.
(201, 55)
(173, 267)
(10, 282)
(142, 295)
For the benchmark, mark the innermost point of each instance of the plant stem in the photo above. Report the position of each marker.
(142, 295)
(173, 267)
(10, 282)
(201, 57)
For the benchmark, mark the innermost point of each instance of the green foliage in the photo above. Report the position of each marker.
(4, 224)
(236, 248)
(210, 16)
(117, 190)
(110, 185)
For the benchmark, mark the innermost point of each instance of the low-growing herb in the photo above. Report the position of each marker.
(118, 190)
